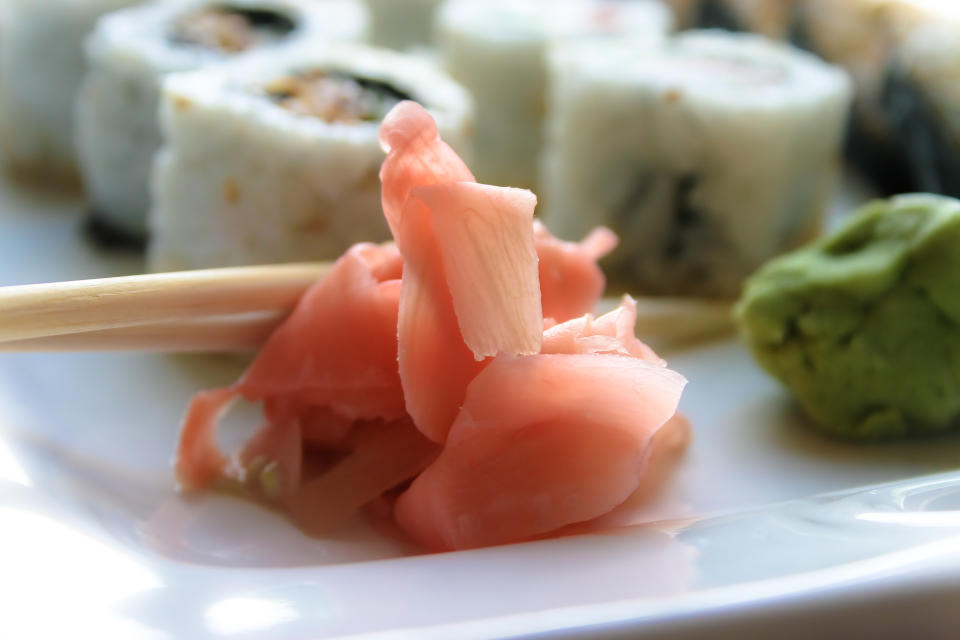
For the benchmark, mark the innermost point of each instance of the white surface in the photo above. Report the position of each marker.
(93, 537)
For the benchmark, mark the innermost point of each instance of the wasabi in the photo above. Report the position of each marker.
(863, 326)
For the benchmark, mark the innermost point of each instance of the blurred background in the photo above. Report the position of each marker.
(710, 135)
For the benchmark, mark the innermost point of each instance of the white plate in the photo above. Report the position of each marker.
(95, 543)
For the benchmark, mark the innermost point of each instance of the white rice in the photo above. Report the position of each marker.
(401, 24)
(243, 180)
(707, 156)
(128, 55)
(41, 67)
(498, 50)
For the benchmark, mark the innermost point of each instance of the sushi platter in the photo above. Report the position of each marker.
(94, 529)
(460, 319)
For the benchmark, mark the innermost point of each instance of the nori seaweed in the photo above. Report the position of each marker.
(262, 18)
(715, 14)
(386, 94)
(797, 33)
(106, 235)
(685, 218)
(929, 149)
(379, 88)
(682, 257)
(877, 157)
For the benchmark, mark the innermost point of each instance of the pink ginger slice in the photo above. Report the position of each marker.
(571, 282)
(416, 157)
(435, 363)
(337, 351)
(613, 333)
(542, 442)
(485, 237)
(383, 455)
(199, 461)
(470, 286)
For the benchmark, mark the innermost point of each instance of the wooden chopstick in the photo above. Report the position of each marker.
(242, 332)
(93, 306)
(666, 325)
(237, 308)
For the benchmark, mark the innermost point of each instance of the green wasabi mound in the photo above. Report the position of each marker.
(863, 326)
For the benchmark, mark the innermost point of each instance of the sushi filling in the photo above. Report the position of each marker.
(231, 29)
(335, 96)
(693, 247)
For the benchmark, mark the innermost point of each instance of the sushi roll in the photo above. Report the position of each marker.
(41, 68)
(707, 155)
(498, 50)
(276, 158)
(130, 51)
(772, 18)
(859, 36)
(921, 101)
(401, 24)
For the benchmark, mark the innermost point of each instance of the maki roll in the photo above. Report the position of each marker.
(859, 36)
(41, 68)
(901, 55)
(276, 158)
(920, 98)
(130, 51)
(498, 51)
(401, 24)
(772, 18)
(707, 155)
